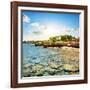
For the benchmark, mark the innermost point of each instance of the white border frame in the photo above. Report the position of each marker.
(52, 78)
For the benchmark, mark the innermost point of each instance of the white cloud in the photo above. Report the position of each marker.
(38, 28)
(42, 27)
(26, 19)
(35, 24)
(38, 25)
(71, 31)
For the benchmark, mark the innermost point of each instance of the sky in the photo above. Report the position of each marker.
(43, 25)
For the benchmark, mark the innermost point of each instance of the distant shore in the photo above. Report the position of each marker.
(46, 44)
(57, 41)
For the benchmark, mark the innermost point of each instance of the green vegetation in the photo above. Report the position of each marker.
(53, 39)
(62, 38)
(67, 38)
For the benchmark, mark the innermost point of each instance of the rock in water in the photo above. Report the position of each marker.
(38, 70)
(70, 68)
(27, 72)
(55, 65)
(70, 59)
(50, 71)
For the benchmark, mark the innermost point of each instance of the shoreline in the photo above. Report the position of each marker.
(60, 44)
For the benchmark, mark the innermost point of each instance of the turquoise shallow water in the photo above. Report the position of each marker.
(37, 54)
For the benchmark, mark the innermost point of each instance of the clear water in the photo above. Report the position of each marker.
(37, 54)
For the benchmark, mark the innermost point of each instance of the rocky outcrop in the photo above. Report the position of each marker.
(70, 59)
(38, 70)
(41, 70)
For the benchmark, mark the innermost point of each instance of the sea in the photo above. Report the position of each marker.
(38, 54)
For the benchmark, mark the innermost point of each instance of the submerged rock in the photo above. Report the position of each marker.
(50, 71)
(54, 68)
(55, 65)
(33, 70)
(38, 70)
(37, 67)
(27, 72)
(40, 73)
(25, 66)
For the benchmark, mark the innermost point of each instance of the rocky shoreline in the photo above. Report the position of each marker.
(70, 58)
(69, 64)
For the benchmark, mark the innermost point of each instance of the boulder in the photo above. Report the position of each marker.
(25, 66)
(50, 71)
(27, 72)
(54, 65)
(38, 70)
(70, 68)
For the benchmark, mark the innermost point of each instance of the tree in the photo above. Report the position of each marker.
(67, 37)
(52, 39)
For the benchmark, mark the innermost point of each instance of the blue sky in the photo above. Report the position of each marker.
(43, 25)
